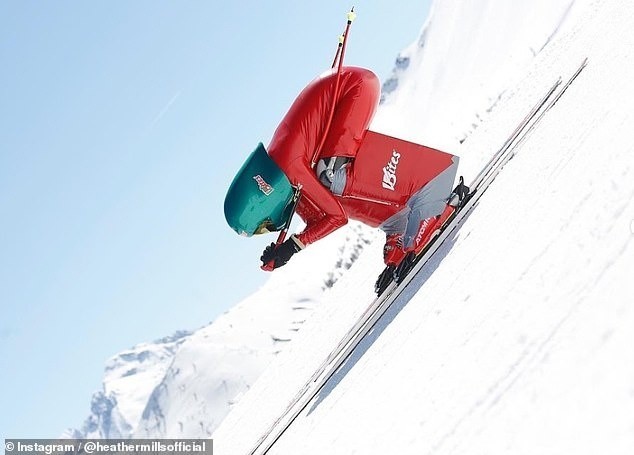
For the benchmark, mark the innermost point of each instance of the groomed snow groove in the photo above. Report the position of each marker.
(516, 337)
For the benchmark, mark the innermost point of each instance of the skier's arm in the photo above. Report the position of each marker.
(333, 214)
(331, 217)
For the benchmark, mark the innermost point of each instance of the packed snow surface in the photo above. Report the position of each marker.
(517, 337)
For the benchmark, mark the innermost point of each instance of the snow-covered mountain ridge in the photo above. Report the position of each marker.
(472, 63)
(130, 377)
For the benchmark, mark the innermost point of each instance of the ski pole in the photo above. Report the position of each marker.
(341, 48)
(269, 266)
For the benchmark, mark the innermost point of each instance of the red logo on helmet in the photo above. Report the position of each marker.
(264, 187)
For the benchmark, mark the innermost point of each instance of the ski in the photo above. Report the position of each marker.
(379, 306)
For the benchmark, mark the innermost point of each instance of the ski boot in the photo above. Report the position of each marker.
(430, 228)
(427, 231)
(459, 195)
(393, 255)
(393, 252)
(399, 262)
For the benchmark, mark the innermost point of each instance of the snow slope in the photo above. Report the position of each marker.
(467, 53)
(517, 337)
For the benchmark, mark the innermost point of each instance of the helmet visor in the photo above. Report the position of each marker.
(265, 227)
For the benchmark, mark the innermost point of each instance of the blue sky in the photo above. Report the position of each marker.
(122, 124)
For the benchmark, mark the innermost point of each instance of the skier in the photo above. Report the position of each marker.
(395, 193)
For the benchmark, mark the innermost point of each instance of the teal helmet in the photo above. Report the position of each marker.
(258, 200)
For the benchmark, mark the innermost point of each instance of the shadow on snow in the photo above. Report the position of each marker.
(390, 314)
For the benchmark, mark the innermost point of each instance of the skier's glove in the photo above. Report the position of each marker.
(279, 255)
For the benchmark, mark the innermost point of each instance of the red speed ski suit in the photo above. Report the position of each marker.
(394, 189)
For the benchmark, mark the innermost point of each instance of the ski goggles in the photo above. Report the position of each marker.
(266, 227)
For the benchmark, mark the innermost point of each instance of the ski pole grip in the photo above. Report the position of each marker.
(270, 266)
(351, 16)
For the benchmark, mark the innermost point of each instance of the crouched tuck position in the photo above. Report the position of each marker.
(398, 186)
